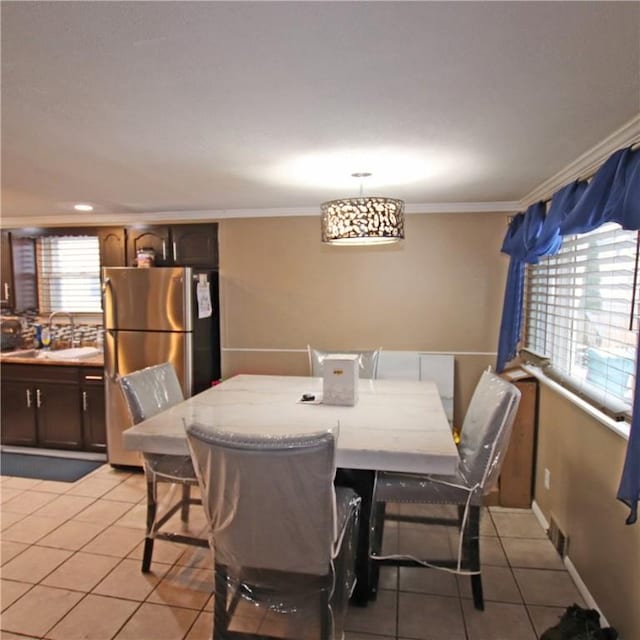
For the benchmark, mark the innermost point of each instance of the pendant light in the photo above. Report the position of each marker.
(362, 220)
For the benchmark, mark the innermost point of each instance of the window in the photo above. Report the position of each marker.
(582, 315)
(69, 274)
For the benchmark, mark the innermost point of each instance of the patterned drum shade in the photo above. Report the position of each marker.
(370, 220)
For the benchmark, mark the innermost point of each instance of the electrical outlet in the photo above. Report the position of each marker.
(547, 479)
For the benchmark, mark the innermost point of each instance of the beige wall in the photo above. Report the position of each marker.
(439, 290)
(585, 460)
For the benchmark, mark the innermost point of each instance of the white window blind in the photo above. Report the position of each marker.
(582, 315)
(69, 274)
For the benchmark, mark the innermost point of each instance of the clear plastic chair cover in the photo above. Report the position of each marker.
(148, 392)
(484, 440)
(284, 539)
(151, 390)
(368, 361)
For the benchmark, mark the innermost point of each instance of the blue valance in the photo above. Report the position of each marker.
(613, 195)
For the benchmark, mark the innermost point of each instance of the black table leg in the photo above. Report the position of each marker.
(361, 481)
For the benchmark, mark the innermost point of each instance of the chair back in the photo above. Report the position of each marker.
(367, 361)
(151, 390)
(270, 501)
(486, 430)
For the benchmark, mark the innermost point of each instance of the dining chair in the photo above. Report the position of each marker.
(284, 537)
(368, 361)
(148, 392)
(413, 365)
(484, 440)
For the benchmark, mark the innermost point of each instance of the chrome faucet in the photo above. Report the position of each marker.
(71, 324)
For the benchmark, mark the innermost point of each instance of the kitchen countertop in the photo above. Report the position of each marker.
(35, 356)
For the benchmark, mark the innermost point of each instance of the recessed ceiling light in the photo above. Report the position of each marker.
(83, 207)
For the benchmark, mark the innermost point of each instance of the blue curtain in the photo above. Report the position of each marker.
(613, 195)
(529, 237)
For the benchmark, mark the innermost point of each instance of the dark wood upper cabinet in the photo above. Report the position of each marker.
(149, 237)
(25, 277)
(19, 275)
(187, 245)
(6, 272)
(195, 245)
(113, 247)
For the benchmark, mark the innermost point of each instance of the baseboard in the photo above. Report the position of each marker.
(537, 512)
(584, 592)
(571, 568)
(56, 453)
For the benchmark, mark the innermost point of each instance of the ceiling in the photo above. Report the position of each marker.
(214, 109)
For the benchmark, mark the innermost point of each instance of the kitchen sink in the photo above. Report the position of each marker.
(22, 353)
(75, 353)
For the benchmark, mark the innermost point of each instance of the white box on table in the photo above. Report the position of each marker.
(341, 372)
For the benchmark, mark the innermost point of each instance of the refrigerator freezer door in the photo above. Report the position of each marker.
(127, 351)
(153, 299)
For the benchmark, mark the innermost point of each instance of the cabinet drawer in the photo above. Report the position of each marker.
(37, 373)
(92, 376)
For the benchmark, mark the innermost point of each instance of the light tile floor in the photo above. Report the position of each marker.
(71, 570)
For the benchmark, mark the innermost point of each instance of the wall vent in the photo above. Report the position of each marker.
(558, 538)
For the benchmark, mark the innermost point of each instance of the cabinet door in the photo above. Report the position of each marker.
(25, 291)
(113, 248)
(59, 421)
(18, 413)
(93, 411)
(195, 245)
(156, 238)
(6, 273)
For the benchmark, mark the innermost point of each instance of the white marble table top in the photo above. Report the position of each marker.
(396, 425)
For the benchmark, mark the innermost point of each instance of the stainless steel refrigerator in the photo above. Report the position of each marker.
(152, 315)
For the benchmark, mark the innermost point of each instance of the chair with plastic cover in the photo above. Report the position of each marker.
(367, 362)
(148, 392)
(284, 537)
(484, 440)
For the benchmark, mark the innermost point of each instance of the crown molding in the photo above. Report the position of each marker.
(210, 215)
(584, 166)
(588, 163)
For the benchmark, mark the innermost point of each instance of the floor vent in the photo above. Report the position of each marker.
(558, 538)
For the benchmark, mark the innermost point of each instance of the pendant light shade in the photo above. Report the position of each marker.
(363, 220)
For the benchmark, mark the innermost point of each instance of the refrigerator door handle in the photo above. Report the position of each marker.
(113, 374)
(107, 288)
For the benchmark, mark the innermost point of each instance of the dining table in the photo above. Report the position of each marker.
(394, 425)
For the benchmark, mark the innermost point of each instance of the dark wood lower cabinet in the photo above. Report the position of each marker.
(59, 419)
(53, 407)
(18, 425)
(94, 424)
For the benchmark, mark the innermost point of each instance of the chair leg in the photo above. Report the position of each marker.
(186, 496)
(152, 507)
(476, 590)
(220, 612)
(473, 542)
(377, 533)
(325, 616)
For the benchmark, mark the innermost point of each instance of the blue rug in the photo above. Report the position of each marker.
(45, 467)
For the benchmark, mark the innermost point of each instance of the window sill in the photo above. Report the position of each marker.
(620, 428)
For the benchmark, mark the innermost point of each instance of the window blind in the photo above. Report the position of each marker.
(69, 274)
(582, 315)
